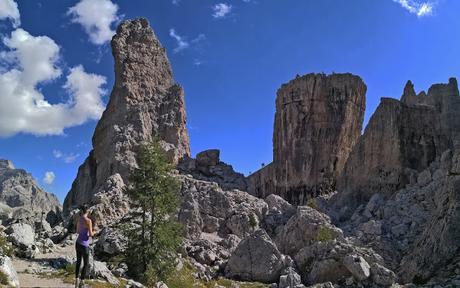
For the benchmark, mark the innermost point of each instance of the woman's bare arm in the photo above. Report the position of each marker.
(90, 227)
(77, 229)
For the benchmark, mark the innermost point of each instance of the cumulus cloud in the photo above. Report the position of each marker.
(176, 2)
(9, 10)
(96, 17)
(23, 108)
(419, 8)
(49, 177)
(221, 10)
(67, 158)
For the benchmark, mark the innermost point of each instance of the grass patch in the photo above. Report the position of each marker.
(184, 279)
(230, 283)
(325, 234)
(66, 274)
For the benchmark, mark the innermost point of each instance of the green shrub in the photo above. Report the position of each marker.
(325, 234)
(312, 203)
(4, 279)
(5, 246)
(253, 220)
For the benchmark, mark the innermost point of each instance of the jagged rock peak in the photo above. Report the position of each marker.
(438, 94)
(401, 139)
(317, 122)
(145, 103)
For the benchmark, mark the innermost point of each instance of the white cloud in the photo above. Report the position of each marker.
(23, 108)
(9, 10)
(67, 158)
(176, 2)
(201, 37)
(96, 17)
(49, 177)
(419, 8)
(181, 43)
(221, 10)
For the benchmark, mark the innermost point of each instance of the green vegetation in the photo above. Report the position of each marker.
(253, 220)
(312, 203)
(66, 274)
(155, 239)
(325, 234)
(184, 279)
(5, 246)
(3, 278)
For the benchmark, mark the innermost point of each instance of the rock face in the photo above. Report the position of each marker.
(208, 208)
(401, 139)
(256, 259)
(207, 166)
(18, 189)
(145, 103)
(317, 122)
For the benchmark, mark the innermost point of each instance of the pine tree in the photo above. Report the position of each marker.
(153, 241)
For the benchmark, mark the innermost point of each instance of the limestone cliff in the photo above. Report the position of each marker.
(145, 102)
(401, 139)
(317, 122)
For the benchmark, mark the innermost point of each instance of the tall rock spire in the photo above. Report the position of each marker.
(145, 102)
(317, 122)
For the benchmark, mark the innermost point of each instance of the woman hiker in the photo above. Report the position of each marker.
(84, 230)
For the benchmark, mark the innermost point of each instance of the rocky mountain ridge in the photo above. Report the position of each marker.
(335, 209)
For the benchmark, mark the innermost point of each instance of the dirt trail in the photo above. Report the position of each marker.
(26, 268)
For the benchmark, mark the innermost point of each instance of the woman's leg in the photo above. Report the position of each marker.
(79, 255)
(85, 255)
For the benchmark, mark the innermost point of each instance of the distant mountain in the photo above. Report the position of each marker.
(18, 189)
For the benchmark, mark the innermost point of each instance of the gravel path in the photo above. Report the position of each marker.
(29, 279)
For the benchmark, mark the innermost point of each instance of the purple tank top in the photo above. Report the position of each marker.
(83, 236)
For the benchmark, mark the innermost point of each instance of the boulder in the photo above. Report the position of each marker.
(21, 235)
(207, 158)
(110, 243)
(358, 267)
(306, 227)
(382, 276)
(256, 259)
(289, 278)
(100, 270)
(277, 204)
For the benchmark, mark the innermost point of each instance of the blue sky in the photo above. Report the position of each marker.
(230, 57)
